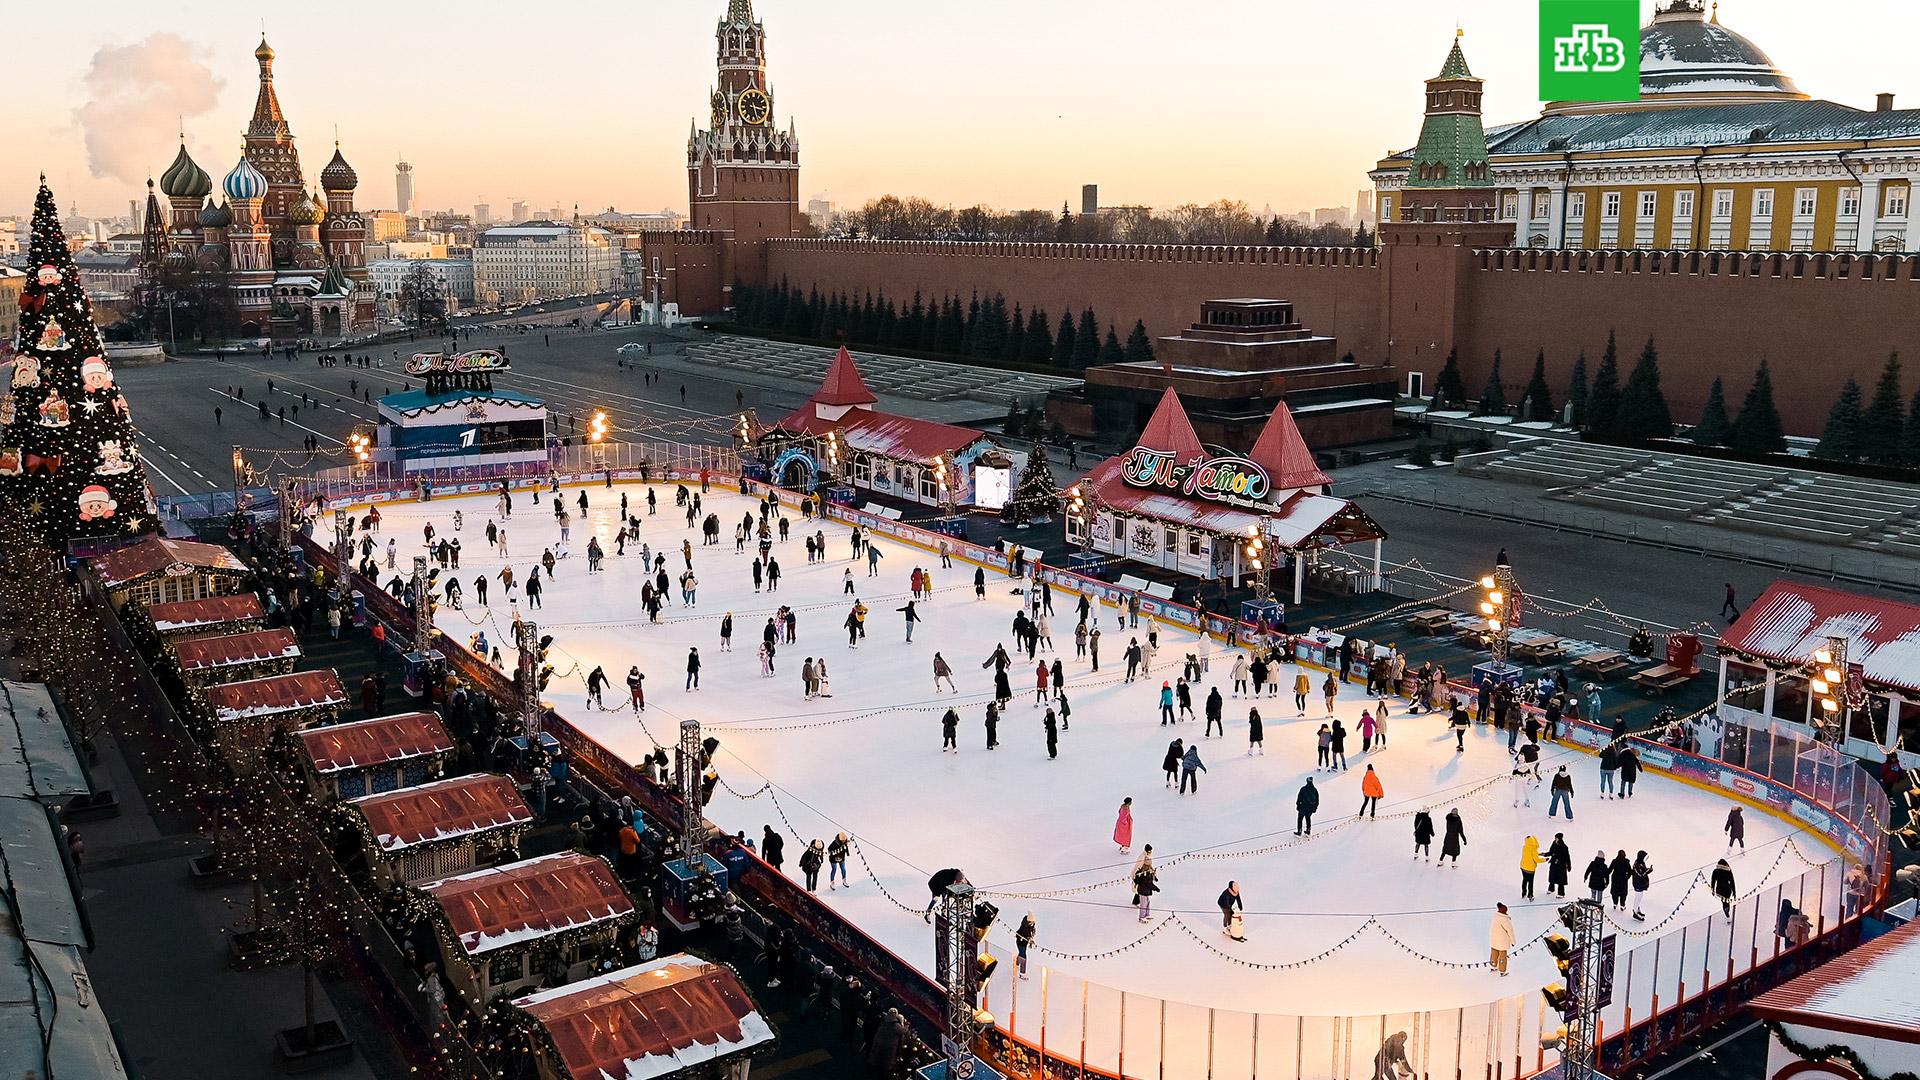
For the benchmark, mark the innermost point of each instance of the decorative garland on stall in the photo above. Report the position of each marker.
(1822, 1054)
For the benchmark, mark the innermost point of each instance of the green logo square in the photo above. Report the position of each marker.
(1589, 50)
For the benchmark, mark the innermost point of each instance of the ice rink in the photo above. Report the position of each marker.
(1035, 834)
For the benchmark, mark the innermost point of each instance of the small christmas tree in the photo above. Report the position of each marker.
(67, 449)
(1035, 497)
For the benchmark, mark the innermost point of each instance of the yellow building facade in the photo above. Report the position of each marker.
(1721, 152)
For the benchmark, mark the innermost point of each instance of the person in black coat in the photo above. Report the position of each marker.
(1423, 835)
(993, 725)
(1619, 875)
(772, 847)
(1170, 764)
(1596, 875)
(1559, 865)
(1629, 770)
(1304, 805)
(1722, 884)
(1454, 839)
(937, 888)
(950, 732)
(1052, 724)
(1337, 753)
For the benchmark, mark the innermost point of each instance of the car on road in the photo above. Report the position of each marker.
(632, 347)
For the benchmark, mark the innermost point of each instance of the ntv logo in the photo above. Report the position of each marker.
(1588, 50)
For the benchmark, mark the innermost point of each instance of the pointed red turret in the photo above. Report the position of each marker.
(843, 385)
(1170, 430)
(1284, 455)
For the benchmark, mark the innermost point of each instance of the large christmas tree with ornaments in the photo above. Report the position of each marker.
(68, 459)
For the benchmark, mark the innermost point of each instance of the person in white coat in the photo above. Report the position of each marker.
(1500, 938)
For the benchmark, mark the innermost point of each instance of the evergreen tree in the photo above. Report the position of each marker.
(1841, 440)
(1643, 411)
(1603, 403)
(913, 323)
(1016, 421)
(1362, 236)
(1063, 229)
(953, 328)
(1086, 341)
(1537, 402)
(1577, 391)
(67, 450)
(1111, 352)
(1035, 496)
(1493, 397)
(1063, 341)
(990, 336)
(1910, 438)
(1449, 392)
(1038, 348)
(1139, 345)
(1881, 425)
(889, 323)
(1714, 427)
(972, 326)
(1017, 334)
(1757, 430)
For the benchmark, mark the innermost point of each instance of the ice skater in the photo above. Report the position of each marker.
(1723, 887)
(1123, 825)
(993, 724)
(1231, 912)
(1642, 880)
(1146, 882)
(1562, 788)
(1305, 804)
(636, 689)
(1256, 734)
(1736, 829)
(1371, 792)
(1051, 722)
(1500, 939)
(1454, 838)
(1324, 743)
(1190, 768)
(1559, 865)
(950, 732)
(1619, 879)
(1171, 763)
(943, 672)
(1529, 863)
(1423, 834)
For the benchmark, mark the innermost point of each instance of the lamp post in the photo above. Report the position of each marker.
(1833, 691)
(1253, 552)
(360, 445)
(940, 486)
(1080, 508)
(597, 428)
(1500, 605)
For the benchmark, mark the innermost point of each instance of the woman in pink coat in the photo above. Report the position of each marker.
(1367, 726)
(1123, 825)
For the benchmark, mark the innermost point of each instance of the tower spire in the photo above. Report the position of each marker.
(268, 120)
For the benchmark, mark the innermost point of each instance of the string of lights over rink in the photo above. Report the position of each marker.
(1346, 922)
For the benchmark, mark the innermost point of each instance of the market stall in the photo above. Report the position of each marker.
(227, 658)
(158, 569)
(243, 718)
(677, 1016)
(440, 828)
(368, 757)
(232, 614)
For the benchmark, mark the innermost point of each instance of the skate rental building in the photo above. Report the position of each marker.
(1172, 502)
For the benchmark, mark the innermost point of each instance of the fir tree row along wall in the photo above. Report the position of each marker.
(69, 463)
(978, 328)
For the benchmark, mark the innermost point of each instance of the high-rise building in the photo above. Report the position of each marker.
(1363, 205)
(482, 214)
(403, 187)
(1089, 199)
(519, 211)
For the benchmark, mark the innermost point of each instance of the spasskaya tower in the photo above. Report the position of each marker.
(743, 174)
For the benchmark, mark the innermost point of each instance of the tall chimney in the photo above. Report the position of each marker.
(1883, 103)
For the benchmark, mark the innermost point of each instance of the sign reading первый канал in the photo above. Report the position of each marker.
(1221, 479)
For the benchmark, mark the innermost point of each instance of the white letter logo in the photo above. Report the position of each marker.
(1589, 48)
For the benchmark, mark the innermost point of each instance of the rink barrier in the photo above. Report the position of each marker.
(1822, 790)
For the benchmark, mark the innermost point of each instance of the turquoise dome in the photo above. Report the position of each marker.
(245, 181)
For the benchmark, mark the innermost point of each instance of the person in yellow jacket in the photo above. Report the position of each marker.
(1529, 862)
(1302, 686)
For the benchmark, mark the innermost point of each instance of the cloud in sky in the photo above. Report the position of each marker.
(136, 96)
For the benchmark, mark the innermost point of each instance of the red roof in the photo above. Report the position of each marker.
(159, 555)
(843, 384)
(374, 742)
(1284, 455)
(204, 653)
(1169, 429)
(276, 694)
(1790, 621)
(442, 810)
(652, 1020)
(522, 901)
(1871, 992)
(210, 611)
(902, 438)
(1304, 520)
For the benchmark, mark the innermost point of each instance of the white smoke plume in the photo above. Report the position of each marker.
(137, 95)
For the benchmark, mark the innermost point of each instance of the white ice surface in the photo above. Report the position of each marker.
(867, 761)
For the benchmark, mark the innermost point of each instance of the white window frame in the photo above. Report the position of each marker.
(1577, 206)
(1649, 205)
(1609, 206)
(1683, 205)
(1542, 205)
(1849, 202)
(1763, 204)
(1897, 196)
(1722, 204)
(1509, 206)
(1806, 202)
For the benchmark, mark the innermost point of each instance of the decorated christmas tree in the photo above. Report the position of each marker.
(1034, 496)
(67, 451)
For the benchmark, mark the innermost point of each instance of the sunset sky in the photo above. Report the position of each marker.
(1009, 102)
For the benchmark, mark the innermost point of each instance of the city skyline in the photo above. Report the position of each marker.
(1154, 119)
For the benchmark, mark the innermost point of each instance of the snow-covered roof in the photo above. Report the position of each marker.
(177, 615)
(653, 1020)
(228, 650)
(381, 740)
(442, 810)
(293, 692)
(1682, 52)
(155, 555)
(1790, 621)
(1872, 991)
(525, 901)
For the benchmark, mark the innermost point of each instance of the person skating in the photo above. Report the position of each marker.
(837, 862)
(810, 862)
(1040, 674)
(1133, 654)
(1423, 834)
(1093, 646)
(1453, 839)
(1596, 875)
(1330, 689)
(1722, 884)
(1522, 780)
(773, 847)
(1337, 748)
(1232, 910)
(1305, 804)
(1058, 676)
(1166, 703)
(1736, 829)
(1183, 694)
(1239, 673)
(1367, 726)
(1051, 723)
(1559, 865)
(943, 671)
(596, 685)
(1022, 941)
(1609, 766)
(1302, 686)
(1258, 669)
(1629, 770)
(1562, 788)
(1529, 862)
(979, 582)
(1256, 731)
(636, 689)
(1123, 825)
(1501, 939)
(726, 632)
(693, 669)
(1642, 880)
(911, 616)
(1459, 723)
(993, 724)
(1146, 882)
(1324, 742)
(1171, 763)
(1371, 792)
(950, 732)
(1190, 767)
(1619, 878)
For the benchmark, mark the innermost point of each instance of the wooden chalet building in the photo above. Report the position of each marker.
(157, 569)
(441, 828)
(244, 718)
(231, 614)
(206, 661)
(369, 757)
(677, 1016)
